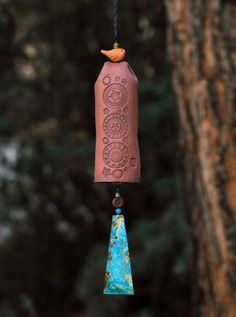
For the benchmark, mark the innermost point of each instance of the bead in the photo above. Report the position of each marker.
(116, 45)
(118, 202)
(118, 211)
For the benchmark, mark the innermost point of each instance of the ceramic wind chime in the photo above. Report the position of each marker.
(117, 157)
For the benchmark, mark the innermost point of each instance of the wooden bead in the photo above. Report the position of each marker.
(118, 202)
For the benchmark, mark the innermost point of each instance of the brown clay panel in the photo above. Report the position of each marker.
(117, 157)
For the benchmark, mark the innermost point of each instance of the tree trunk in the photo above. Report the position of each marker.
(202, 49)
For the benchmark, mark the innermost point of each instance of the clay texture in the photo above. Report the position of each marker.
(117, 158)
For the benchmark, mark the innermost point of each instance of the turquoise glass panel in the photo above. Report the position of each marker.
(118, 277)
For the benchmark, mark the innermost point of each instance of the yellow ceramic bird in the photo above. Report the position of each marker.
(116, 54)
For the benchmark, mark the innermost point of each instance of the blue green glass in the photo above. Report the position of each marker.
(118, 211)
(118, 277)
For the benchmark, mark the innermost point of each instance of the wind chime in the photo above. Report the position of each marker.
(117, 159)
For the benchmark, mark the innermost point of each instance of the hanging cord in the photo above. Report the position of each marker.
(115, 23)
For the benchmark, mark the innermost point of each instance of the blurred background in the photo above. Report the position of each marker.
(54, 221)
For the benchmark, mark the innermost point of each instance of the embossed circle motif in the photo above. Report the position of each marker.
(105, 140)
(115, 155)
(115, 96)
(106, 80)
(117, 174)
(115, 126)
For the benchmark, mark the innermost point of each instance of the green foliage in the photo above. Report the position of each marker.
(89, 288)
(6, 311)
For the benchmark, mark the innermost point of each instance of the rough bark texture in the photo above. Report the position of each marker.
(202, 49)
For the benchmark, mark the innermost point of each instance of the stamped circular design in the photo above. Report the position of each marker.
(117, 174)
(106, 111)
(115, 96)
(115, 155)
(106, 80)
(105, 140)
(125, 140)
(125, 110)
(115, 125)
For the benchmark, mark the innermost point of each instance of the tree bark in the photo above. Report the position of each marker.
(202, 49)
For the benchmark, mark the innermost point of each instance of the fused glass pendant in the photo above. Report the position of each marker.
(118, 276)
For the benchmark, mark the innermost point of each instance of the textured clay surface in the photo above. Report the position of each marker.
(117, 157)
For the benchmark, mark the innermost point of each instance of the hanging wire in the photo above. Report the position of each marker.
(115, 21)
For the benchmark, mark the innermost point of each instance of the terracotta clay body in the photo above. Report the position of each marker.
(117, 157)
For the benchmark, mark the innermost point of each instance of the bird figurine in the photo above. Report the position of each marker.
(116, 54)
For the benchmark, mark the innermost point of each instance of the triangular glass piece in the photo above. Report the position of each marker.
(118, 278)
